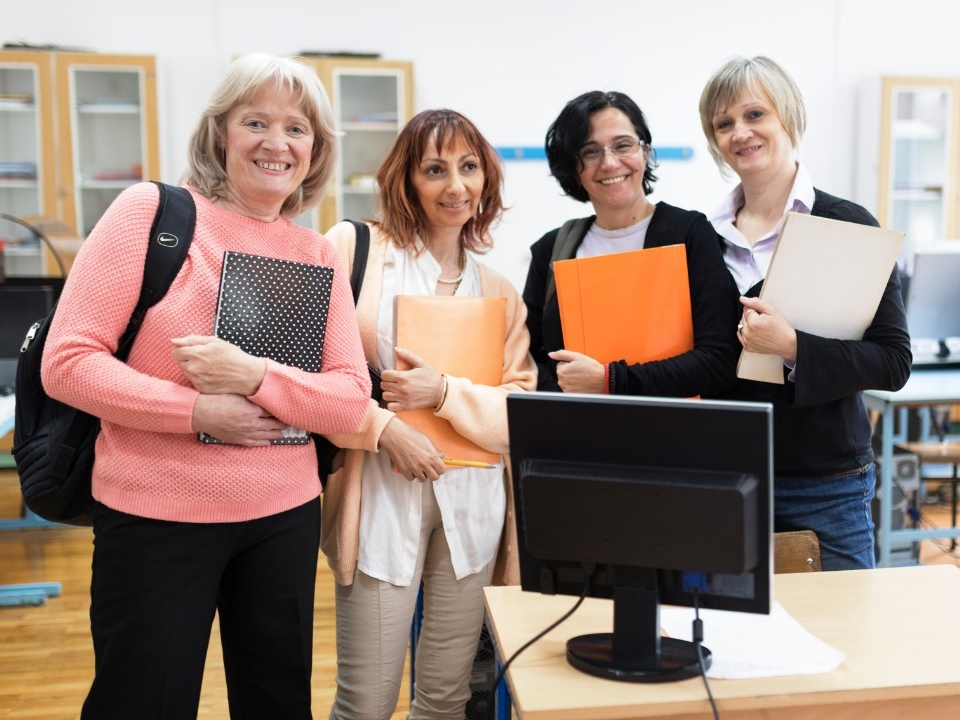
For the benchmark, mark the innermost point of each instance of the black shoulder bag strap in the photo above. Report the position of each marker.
(360, 252)
(170, 237)
(564, 247)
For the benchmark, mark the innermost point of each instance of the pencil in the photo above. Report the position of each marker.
(468, 463)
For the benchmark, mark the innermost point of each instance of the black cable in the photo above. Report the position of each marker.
(46, 241)
(564, 617)
(697, 640)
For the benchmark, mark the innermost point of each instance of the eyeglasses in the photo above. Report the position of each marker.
(593, 154)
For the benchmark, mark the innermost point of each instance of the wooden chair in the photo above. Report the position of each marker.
(796, 551)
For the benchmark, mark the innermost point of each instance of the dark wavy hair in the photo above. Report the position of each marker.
(569, 133)
(401, 215)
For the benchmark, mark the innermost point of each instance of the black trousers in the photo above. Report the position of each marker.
(156, 587)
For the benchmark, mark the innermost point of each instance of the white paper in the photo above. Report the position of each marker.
(826, 277)
(748, 645)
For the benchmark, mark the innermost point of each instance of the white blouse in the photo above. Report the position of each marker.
(472, 501)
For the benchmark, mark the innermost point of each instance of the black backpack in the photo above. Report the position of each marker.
(53, 443)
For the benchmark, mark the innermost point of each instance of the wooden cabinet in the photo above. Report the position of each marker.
(75, 130)
(107, 115)
(918, 171)
(27, 157)
(372, 100)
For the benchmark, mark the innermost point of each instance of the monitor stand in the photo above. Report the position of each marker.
(635, 651)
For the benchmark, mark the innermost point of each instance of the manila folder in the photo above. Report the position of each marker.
(632, 306)
(458, 336)
(826, 277)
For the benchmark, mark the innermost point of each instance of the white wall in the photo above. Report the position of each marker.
(510, 65)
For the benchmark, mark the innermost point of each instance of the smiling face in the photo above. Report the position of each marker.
(449, 185)
(267, 147)
(615, 184)
(751, 137)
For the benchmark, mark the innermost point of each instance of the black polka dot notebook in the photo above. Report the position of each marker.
(275, 309)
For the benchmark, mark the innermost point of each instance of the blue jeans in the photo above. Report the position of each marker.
(837, 509)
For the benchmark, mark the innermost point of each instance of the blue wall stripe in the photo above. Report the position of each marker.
(533, 152)
(522, 153)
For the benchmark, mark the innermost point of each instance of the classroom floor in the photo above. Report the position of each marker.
(46, 659)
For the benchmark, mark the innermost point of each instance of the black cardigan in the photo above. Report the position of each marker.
(708, 369)
(820, 423)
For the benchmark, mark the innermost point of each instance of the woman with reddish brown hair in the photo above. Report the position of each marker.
(419, 519)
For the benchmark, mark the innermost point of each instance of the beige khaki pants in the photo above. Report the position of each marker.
(373, 632)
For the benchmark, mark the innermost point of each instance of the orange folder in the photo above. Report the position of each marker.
(632, 306)
(459, 336)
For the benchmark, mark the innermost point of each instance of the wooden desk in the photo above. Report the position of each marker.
(899, 628)
(923, 389)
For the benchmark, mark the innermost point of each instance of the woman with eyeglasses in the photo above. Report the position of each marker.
(599, 150)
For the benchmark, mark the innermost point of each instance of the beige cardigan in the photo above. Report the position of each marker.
(469, 411)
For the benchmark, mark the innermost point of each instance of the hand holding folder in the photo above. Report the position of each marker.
(459, 336)
(826, 277)
(632, 306)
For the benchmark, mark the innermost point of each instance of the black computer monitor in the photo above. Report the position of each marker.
(23, 301)
(654, 501)
(933, 296)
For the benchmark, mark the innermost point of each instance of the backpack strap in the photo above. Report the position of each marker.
(170, 237)
(360, 252)
(564, 247)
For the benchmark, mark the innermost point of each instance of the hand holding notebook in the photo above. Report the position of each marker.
(275, 309)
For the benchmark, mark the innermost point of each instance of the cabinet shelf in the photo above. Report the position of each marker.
(109, 109)
(917, 130)
(917, 194)
(357, 190)
(108, 184)
(370, 126)
(15, 106)
(18, 183)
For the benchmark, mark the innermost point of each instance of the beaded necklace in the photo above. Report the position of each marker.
(461, 265)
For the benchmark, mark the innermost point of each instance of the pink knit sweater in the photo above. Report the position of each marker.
(148, 460)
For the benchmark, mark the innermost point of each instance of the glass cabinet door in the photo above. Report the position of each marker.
(26, 172)
(372, 101)
(370, 110)
(110, 109)
(920, 179)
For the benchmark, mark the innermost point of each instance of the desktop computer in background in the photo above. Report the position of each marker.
(906, 482)
(485, 702)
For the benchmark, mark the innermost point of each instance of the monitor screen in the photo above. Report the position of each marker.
(23, 302)
(653, 501)
(933, 294)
